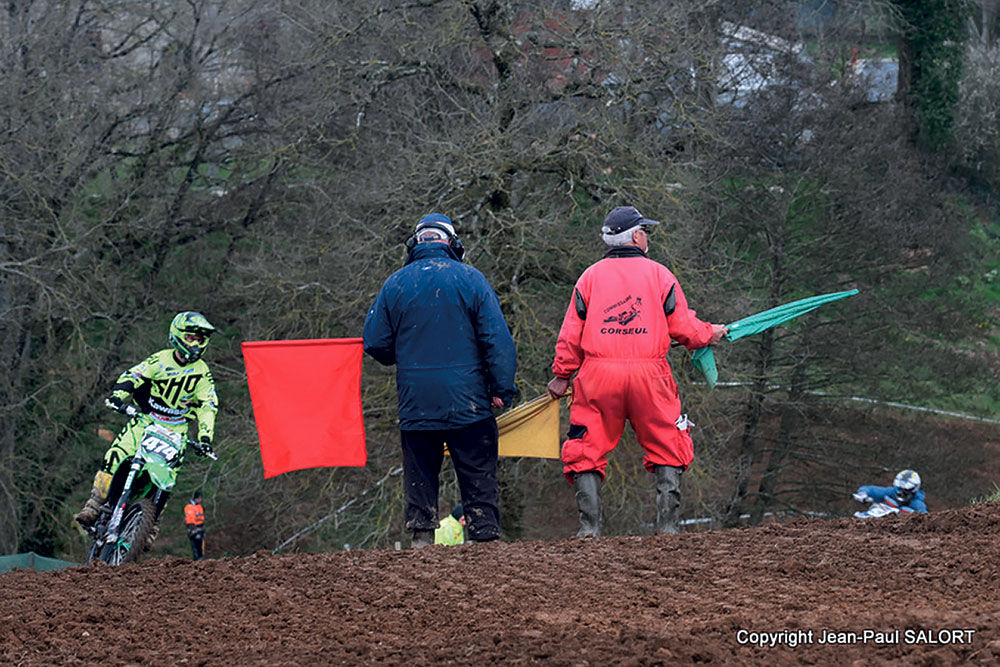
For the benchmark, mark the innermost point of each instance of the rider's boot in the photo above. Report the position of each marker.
(668, 498)
(98, 494)
(422, 538)
(148, 544)
(588, 501)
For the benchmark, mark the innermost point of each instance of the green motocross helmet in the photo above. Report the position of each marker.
(189, 334)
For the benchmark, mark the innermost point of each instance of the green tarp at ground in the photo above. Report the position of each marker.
(32, 561)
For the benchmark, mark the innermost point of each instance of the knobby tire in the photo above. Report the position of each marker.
(136, 526)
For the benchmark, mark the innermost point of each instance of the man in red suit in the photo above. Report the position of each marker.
(624, 312)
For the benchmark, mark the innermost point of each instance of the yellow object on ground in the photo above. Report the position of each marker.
(449, 532)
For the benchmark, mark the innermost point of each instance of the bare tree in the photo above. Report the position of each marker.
(264, 162)
(113, 123)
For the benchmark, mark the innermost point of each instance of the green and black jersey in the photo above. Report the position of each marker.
(170, 392)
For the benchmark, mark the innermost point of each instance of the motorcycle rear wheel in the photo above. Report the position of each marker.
(136, 526)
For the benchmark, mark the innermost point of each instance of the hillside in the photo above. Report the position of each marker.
(696, 597)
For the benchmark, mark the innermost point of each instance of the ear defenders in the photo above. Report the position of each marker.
(456, 243)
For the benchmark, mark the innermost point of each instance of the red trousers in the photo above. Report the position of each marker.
(606, 392)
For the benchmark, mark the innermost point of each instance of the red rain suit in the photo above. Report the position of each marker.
(624, 312)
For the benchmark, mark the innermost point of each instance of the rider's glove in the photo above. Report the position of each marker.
(204, 446)
(862, 497)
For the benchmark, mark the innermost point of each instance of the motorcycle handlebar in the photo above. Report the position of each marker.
(133, 412)
(209, 454)
(122, 408)
(203, 449)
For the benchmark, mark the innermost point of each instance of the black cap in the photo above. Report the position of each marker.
(624, 218)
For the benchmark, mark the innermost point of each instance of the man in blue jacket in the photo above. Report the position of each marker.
(904, 495)
(439, 321)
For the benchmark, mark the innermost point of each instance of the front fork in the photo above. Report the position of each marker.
(116, 516)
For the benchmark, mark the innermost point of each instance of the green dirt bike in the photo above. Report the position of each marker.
(138, 491)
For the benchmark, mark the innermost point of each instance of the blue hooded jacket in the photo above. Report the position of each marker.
(439, 321)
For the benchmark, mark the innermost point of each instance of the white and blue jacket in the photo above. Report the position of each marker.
(887, 495)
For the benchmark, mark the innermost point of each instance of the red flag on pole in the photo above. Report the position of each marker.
(306, 397)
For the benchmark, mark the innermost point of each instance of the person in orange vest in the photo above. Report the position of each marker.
(623, 314)
(194, 519)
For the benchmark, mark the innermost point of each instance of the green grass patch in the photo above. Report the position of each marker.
(992, 497)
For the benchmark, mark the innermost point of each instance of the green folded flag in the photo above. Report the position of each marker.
(703, 358)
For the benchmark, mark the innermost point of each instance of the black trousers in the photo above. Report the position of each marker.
(197, 544)
(473, 450)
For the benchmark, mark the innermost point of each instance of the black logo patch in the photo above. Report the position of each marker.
(625, 316)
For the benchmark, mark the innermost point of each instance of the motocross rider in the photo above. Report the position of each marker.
(172, 386)
(904, 494)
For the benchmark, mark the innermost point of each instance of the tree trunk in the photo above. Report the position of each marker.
(754, 409)
(785, 443)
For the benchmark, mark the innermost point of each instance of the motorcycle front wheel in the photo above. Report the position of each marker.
(136, 526)
(94, 552)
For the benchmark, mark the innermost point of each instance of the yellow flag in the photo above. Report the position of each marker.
(531, 429)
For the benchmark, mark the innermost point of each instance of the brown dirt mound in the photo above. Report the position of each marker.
(916, 590)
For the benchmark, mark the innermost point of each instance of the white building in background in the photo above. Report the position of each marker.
(751, 62)
(878, 76)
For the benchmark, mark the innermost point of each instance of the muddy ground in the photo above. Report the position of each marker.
(928, 584)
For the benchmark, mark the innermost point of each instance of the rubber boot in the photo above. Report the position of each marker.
(588, 501)
(160, 506)
(422, 538)
(668, 498)
(98, 494)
